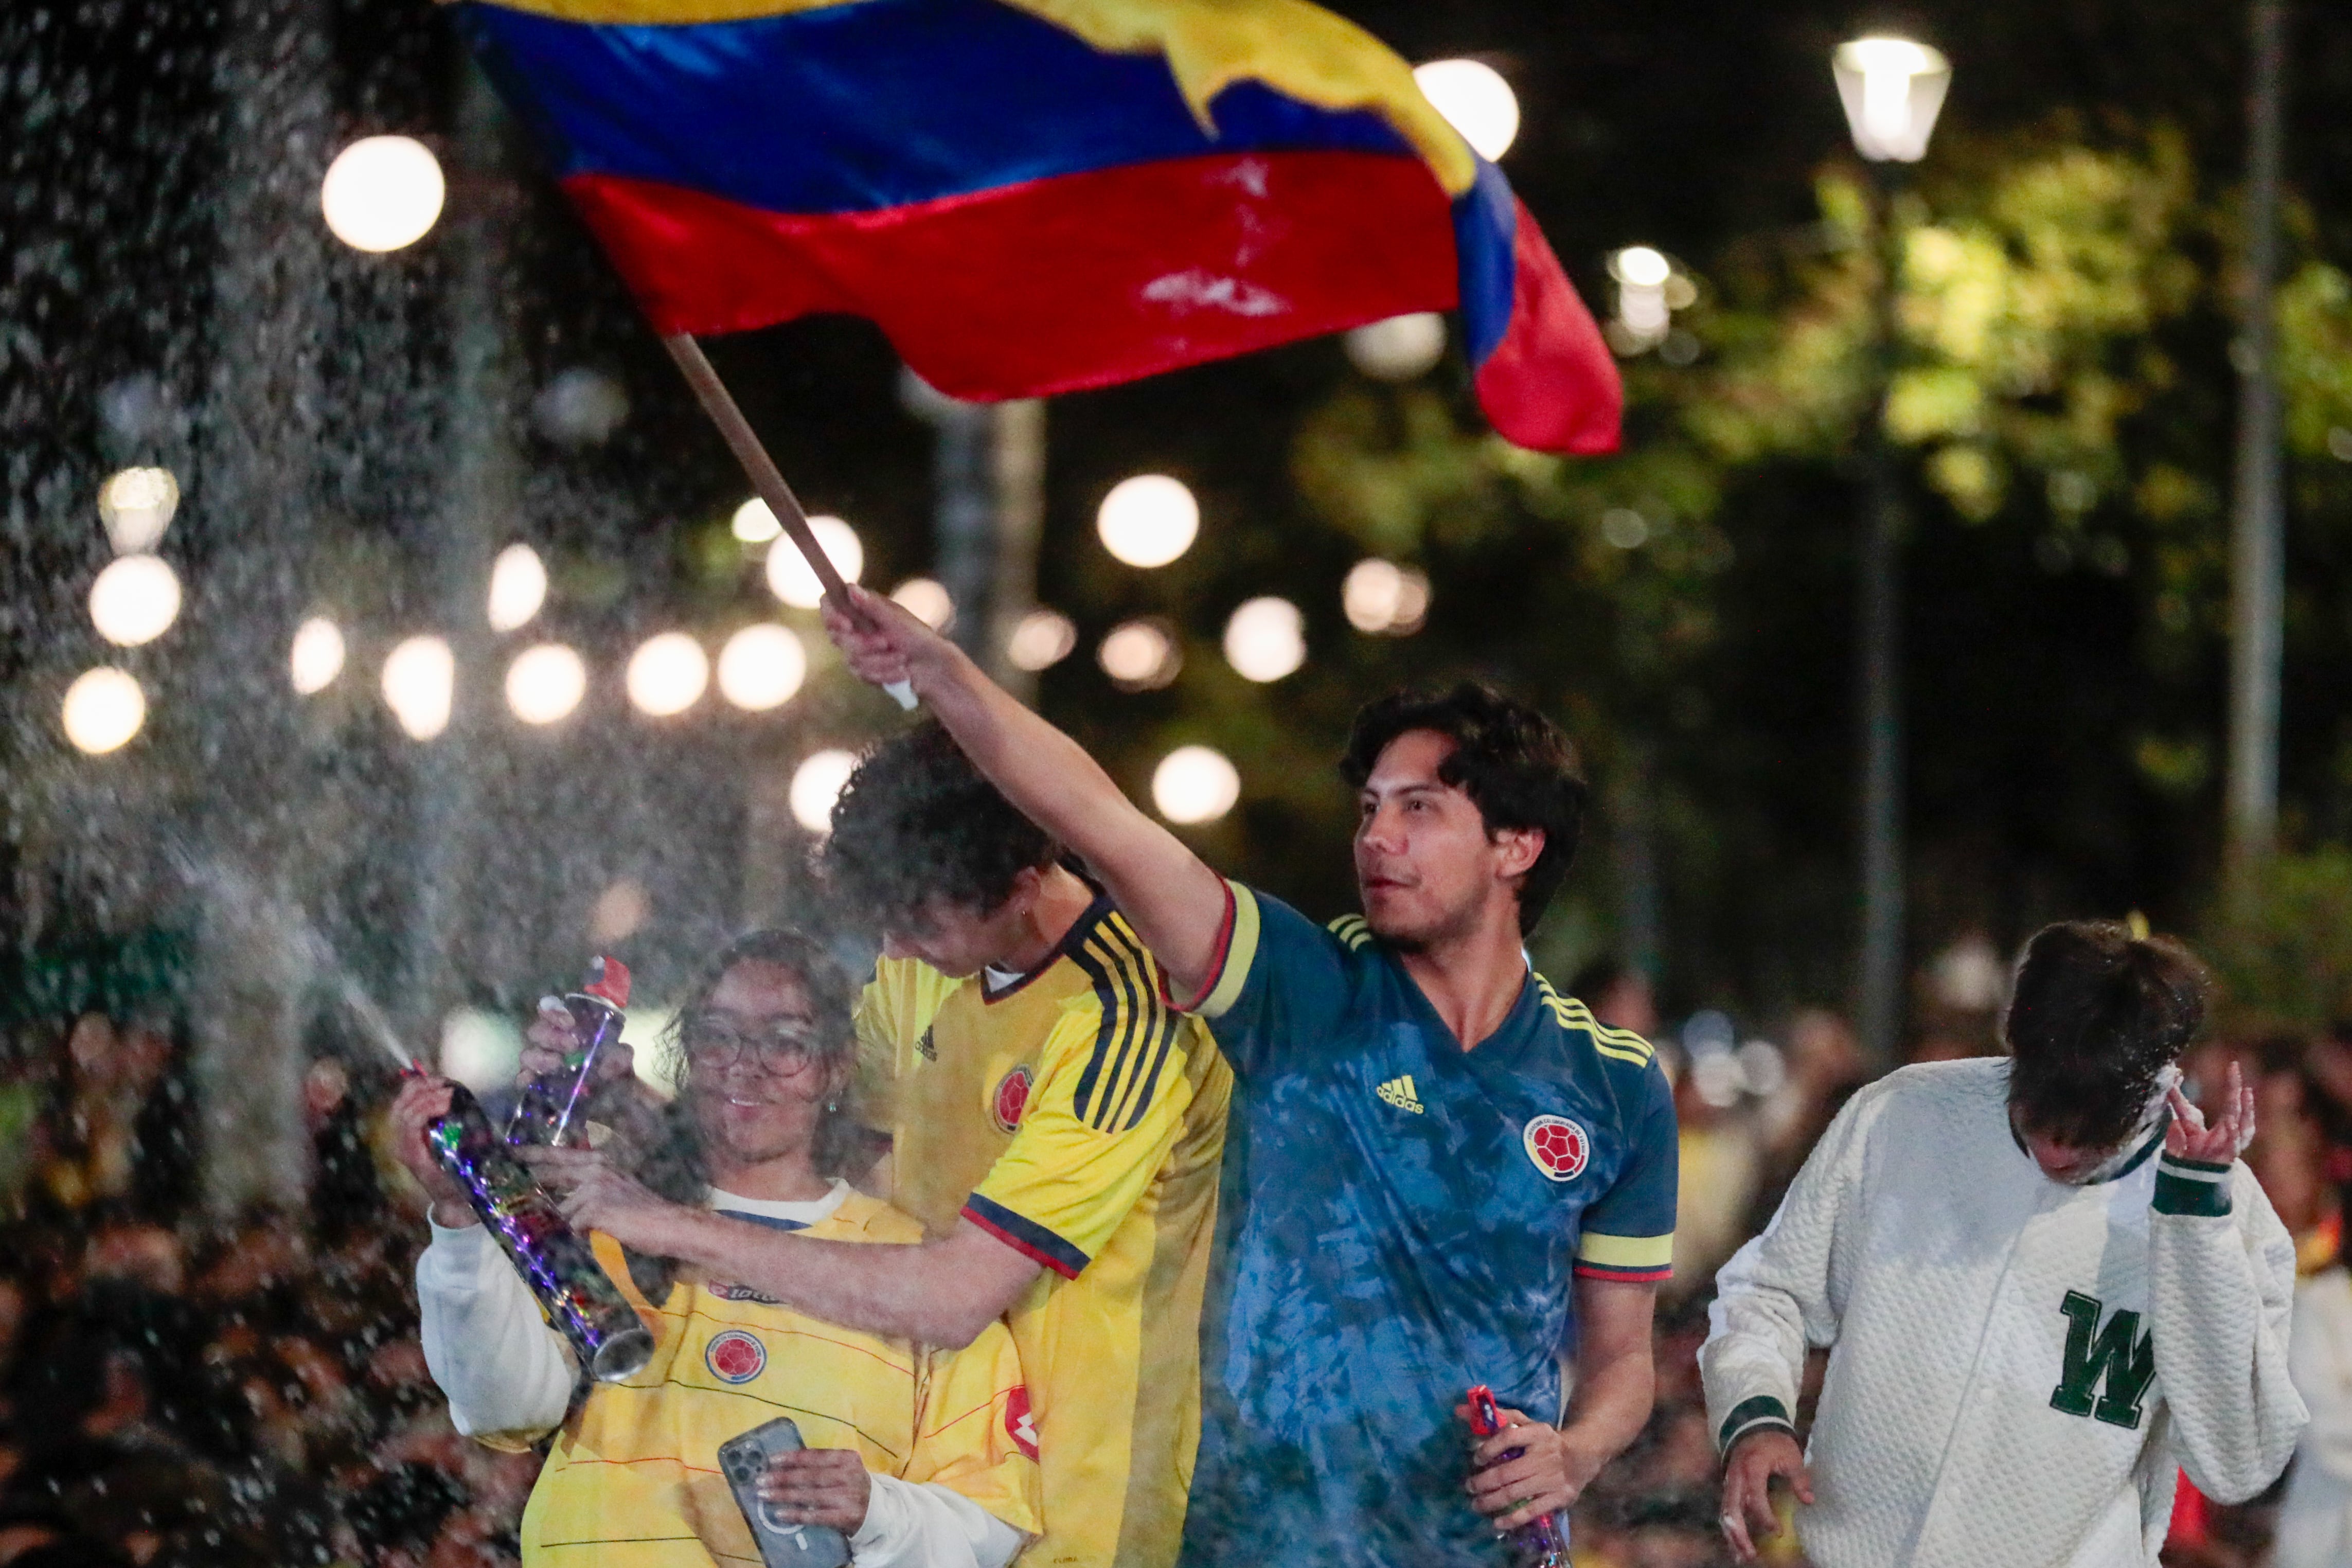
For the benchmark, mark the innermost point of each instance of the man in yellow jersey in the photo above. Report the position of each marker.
(922, 1458)
(1056, 1126)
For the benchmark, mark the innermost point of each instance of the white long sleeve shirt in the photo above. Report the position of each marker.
(2314, 1524)
(2016, 1366)
(504, 1370)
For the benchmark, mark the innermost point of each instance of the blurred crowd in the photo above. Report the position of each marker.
(178, 1389)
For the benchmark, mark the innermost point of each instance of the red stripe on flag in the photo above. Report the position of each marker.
(1551, 384)
(1076, 281)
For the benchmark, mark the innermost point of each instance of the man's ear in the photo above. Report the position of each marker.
(1517, 850)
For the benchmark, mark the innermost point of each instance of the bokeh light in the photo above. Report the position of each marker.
(927, 599)
(1194, 784)
(579, 407)
(382, 193)
(754, 523)
(667, 674)
(620, 912)
(1400, 348)
(1642, 266)
(545, 683)
(1624, 528)
(789, 576)
(816, 784)
(317, 655)
(480, 1049)
(518, 587)
(135, 600)
(1384, 599)
(1043, 639)
(103, 708)
(1476, 101)
(762, 667)
(1266, 639)
(420, 684)
(136, 506)
(1141, 656)
(1147, 520)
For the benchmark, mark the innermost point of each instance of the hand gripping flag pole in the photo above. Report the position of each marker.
(761, 468)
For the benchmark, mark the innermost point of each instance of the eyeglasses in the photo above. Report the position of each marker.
(776, 1045)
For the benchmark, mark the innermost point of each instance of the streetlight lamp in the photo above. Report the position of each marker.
(1892, 89)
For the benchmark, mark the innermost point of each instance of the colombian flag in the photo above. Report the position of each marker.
(1032, 197)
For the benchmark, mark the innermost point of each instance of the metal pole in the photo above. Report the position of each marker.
(1880, 1008)
(2258, 550)
(1020, 521)
(964, 517)
(1633, 809)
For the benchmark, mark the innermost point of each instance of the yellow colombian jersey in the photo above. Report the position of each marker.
(1078, 1119)
(633, 1478)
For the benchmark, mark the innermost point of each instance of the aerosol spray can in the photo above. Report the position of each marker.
(553, 1102)
(1540, 1542)
(553, 1260)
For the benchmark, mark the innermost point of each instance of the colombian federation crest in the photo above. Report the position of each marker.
(1012, 1098)
(1558, 1146)
(735, 1356)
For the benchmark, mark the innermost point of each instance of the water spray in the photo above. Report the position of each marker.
(553, 1258)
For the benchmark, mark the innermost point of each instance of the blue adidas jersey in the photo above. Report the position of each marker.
(1403, 1219)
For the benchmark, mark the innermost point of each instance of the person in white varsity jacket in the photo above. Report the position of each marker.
(2043, 1282)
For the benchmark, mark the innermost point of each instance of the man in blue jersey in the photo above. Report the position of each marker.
(1441, 1172)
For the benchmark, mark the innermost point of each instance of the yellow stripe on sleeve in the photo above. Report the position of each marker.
(1241, 952)
(1626, 1251)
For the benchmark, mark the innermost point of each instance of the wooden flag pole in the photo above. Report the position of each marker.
(719, 403)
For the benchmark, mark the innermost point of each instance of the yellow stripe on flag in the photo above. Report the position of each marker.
(1296, 49)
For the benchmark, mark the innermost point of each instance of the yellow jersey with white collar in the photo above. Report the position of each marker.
(1078, 1119)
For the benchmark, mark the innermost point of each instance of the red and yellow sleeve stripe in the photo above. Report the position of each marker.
(1236, 950)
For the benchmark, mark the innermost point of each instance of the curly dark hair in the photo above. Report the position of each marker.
(2096, 1015)
(917, 821)
(675, 1165)
(1517, 767)
(833, 1003)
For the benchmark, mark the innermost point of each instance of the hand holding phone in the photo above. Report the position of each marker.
(783, 1544)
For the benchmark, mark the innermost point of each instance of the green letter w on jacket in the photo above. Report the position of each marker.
(2118, 1355)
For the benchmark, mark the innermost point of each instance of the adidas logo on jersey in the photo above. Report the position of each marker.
(1398, 1091)
(927, 1047)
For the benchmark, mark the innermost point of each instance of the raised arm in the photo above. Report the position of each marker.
(1176, 903)
(2221, 1286)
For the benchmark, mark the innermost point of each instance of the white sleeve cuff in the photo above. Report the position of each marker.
(925, 1525)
